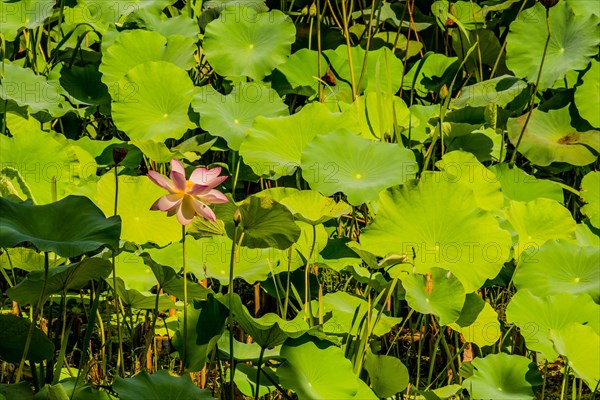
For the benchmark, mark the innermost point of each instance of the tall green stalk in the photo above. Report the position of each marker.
(34, 317)
(120, 361)
(185, 300)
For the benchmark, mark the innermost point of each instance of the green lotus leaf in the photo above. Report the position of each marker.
(242, 42)
(181, 25)
(486, 53)
(268, 331)
(24, 88)
(141, 300)
(84, 227)
(485, 144)
(583, 7)
(357, 166)
(136, 195)
(536, 316)
(172, 283)
(574, 41)
(437, 221)
(590, 192)
(160, 153)
(100, 15)
(382, 71)
(27, 259)
(462, 13)
(313, 208)
(463, 167)
(316, 370)
(549, 137)
(439, 293)
(347, 313)
(478, 322)
(265, 223)
(245, 351)
(38, 166)
(245, 380)
(560, 267)
(299, 74)
(537, 221)
(229, 116)
(21, 390)
(85, 86)
(580, 344)
(503, 377)
(23, 14)
(13, 334)
(382, 116)
(518, 185)
(388, 375)
(209, 257)
(205, 325)
(152, 102)
(160, 385)
(589, 110)
(436, 71)
(585, 236)
(59, 281)
(135, 274)
(500, 91)
(135, 47)
(275, 145)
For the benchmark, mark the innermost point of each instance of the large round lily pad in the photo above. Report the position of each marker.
(299, 74)
(229, 116)
(21, 86)
(160, 385)
(152, 102)
(316, 370)
(342, 161)
(503, 377)
(583, 354)
(438, 224)
(38, 165)
(438, 293)
(478, 322)
(549, 137)
(274, 145)
(138, 46)
(23, 14)
(536, 316)
(558, 267)
(243, 42)
(313, 208)
(573, 43)
(537, 221)
(460, 166)
(520, 186)
(83, 227)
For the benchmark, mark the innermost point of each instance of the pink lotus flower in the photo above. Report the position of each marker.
(188, 198)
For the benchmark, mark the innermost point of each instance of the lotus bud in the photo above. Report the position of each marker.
(444, 91)
(548, 3)
(119, 154)
(237, 217)
(304, 10)
(313, 10)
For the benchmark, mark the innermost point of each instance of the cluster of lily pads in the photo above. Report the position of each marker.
(412, 192)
